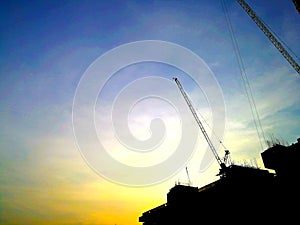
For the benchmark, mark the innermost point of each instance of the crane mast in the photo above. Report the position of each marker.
(220, 162)
(272, 38)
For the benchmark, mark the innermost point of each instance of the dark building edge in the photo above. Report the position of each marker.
(246, 192)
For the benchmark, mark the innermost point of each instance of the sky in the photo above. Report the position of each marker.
(95, 131)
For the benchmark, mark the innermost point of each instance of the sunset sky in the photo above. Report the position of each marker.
(53, 58)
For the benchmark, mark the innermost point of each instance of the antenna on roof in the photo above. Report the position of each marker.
(187, 173)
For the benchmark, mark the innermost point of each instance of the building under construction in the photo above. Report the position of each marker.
(242, 194)
(248, 192)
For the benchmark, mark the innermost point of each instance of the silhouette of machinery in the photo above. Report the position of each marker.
(270, 35)
(211, 146)
(249, 192)
(238, 184)
(242, 194)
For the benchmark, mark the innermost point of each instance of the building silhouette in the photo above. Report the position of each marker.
(242, 194)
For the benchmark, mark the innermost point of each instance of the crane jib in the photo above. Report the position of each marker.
(188, 101)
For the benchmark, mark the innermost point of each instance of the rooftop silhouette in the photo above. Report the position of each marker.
(241, 194)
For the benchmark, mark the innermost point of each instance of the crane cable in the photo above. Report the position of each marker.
(246, 83)
(204, 120)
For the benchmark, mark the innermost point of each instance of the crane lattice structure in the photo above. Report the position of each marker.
(268, 33)
(188, 101)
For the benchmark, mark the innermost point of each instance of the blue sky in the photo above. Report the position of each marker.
(47, 46)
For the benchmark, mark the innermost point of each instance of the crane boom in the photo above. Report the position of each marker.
(272, 38)
(220, 162)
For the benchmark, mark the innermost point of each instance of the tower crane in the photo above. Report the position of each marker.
(272, 38)
(188, 101)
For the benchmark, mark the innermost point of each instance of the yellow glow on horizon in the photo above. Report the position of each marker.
(52, 190)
